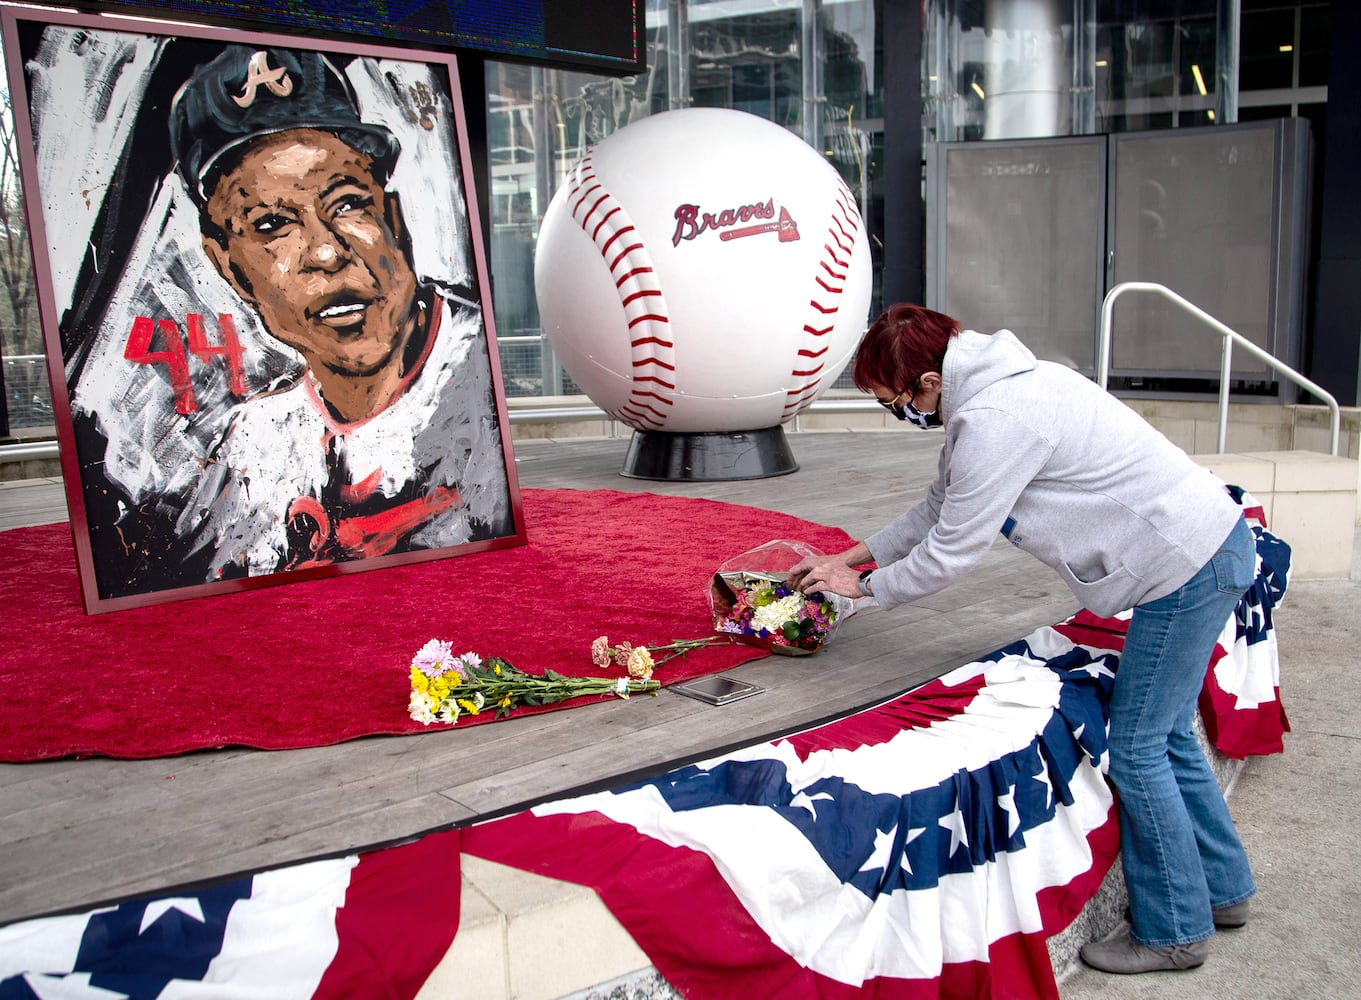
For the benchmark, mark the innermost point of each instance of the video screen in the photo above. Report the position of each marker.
(600, 35)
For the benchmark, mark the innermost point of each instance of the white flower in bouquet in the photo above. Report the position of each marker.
(772, 616)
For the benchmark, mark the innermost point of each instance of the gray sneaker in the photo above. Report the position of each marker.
(1125, 956)
(1232, 916)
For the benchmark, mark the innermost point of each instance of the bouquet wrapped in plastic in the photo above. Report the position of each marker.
(751, 601)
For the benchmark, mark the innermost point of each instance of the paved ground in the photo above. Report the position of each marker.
(1298, 815)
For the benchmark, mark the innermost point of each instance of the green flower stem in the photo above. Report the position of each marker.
(679, 647)
(504, 686)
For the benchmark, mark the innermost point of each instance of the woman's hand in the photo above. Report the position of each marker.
(830, 573)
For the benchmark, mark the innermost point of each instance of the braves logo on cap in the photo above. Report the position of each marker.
(259, 74)
(245, 93)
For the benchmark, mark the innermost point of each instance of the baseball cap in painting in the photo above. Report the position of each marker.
(245, 93)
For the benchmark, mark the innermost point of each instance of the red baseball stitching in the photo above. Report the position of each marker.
(604, 220)
(830, 281)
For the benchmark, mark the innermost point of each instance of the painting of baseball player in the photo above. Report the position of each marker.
(273, 361)
(377, 445)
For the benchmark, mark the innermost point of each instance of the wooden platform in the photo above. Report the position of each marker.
(74, 833)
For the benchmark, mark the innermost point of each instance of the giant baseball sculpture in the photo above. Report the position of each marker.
(703, 275)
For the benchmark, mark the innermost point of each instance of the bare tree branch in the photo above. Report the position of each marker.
(19, 332)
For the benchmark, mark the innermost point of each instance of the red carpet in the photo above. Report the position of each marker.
(315, 663)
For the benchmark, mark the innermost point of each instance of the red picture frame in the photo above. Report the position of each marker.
(265, 304)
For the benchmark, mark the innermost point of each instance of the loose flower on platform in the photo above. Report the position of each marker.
(444, 686)
(639, 660)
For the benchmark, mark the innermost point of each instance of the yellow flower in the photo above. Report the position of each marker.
(640, 663)
(505, 702)
(419, 682)
(469, 706)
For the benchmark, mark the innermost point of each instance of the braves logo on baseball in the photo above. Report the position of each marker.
(690, 221)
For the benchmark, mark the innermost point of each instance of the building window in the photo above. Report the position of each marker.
(811, 68)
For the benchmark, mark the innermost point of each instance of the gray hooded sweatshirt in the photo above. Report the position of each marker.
(1065, 471)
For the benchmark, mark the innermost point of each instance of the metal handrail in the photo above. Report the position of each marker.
(1228, 338)
(28, 451)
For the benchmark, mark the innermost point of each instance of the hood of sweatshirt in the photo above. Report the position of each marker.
(974, 361)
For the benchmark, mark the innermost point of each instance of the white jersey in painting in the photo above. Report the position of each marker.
(290, 486)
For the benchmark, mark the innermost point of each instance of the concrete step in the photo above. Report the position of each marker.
(1309, 499)
(528, 937)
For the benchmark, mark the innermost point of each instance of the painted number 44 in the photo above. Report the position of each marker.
(174, 356)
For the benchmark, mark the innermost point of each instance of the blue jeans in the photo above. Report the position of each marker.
(1180, 852)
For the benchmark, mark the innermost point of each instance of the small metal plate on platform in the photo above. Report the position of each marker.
(716, 689)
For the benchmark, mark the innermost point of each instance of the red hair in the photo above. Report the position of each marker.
(901, 346)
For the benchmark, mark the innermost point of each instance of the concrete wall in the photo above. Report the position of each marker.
(1309, 499)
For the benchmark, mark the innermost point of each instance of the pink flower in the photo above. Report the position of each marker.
(433, 658)
(600, 651)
